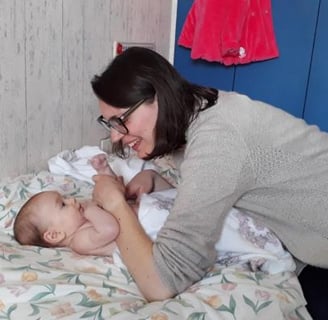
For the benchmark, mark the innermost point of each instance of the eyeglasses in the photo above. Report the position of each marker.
(117, 123)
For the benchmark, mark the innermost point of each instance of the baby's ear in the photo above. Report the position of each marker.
(53, 237)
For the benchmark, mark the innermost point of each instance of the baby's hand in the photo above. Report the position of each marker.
(100, 164)
(87, 208)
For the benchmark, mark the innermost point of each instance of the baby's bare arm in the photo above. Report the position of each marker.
(97, 236)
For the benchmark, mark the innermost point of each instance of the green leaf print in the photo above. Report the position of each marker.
(23, 194)
(225, 280)
(256, 276)
(87, 302)
(232, 307)
(197, 316)
(10, 257)
(6, 191)
(35, 310)
(71, 276)
(7, 315)
(111, 290)
(92, 315)
(256, 307)
(51, 290)
(127, 275)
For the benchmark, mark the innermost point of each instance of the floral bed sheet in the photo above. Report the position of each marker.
(42, 283)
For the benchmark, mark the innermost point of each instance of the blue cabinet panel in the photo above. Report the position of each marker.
(283, 81)
(316, 107)
(199, 71)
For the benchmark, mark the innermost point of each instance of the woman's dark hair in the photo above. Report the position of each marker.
(140, 74)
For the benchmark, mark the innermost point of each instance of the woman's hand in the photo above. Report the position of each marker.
(143, 182)
(146, 181)
(109, 192)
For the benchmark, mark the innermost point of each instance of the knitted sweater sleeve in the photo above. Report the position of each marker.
(215, 172)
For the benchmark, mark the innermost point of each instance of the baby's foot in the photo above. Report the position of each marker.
(100, 164)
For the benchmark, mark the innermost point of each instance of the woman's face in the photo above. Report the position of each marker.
(140, 123)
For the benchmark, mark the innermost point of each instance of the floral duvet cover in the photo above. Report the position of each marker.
(42, 283)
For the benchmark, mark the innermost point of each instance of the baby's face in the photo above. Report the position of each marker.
(65, 213)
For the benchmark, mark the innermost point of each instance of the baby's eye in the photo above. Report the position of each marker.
(63, 204)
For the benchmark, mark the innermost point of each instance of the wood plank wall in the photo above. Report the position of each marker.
(49, 51)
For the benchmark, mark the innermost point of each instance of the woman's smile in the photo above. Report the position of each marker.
(135, 144)
(140, 125)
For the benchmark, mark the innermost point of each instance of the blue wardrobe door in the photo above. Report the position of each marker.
(316, 107)
(283, 81)
(199, 71)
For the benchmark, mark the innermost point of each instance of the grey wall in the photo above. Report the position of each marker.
(49, 51)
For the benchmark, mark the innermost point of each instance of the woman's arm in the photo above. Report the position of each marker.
(146, 181)
(135, 246)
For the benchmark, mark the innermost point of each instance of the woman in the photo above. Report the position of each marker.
(237, 152)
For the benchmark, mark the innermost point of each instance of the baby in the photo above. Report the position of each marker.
(49, 219)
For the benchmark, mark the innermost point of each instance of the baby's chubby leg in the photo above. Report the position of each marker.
(100, 164)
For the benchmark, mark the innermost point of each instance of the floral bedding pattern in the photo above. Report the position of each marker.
(42, 283)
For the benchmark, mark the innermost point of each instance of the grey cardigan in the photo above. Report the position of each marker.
(256, 157)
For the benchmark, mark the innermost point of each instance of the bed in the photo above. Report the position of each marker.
(43, 283)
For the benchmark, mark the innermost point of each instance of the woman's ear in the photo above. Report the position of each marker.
(53, 236)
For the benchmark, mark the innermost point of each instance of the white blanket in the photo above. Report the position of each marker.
(242, 242)
(76, 163)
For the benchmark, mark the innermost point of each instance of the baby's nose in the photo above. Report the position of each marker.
(71, 201)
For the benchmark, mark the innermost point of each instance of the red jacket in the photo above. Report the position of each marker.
(230, 31)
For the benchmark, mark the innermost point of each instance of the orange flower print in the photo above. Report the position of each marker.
(62, 310)
(29, 276)
(132, 305)
(262, 295)
(88, 270)
(108, 260)
(228, 286)
(282, 297)
(6, 249)
(214, 301)
(94, 295)
(2, 305)
(159, 316)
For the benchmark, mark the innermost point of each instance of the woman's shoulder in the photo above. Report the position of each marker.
(228, 103)
(239, 111)
(230, 108)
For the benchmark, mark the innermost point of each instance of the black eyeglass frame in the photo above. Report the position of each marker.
(117, 123)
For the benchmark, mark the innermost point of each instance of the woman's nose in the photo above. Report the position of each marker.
(115, 136)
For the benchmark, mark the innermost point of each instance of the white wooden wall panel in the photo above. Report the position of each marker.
(12, 89)
(43, 80)
(163, 32)
(73, 74)
(49, 52)
(140, 21)
(97, 52)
